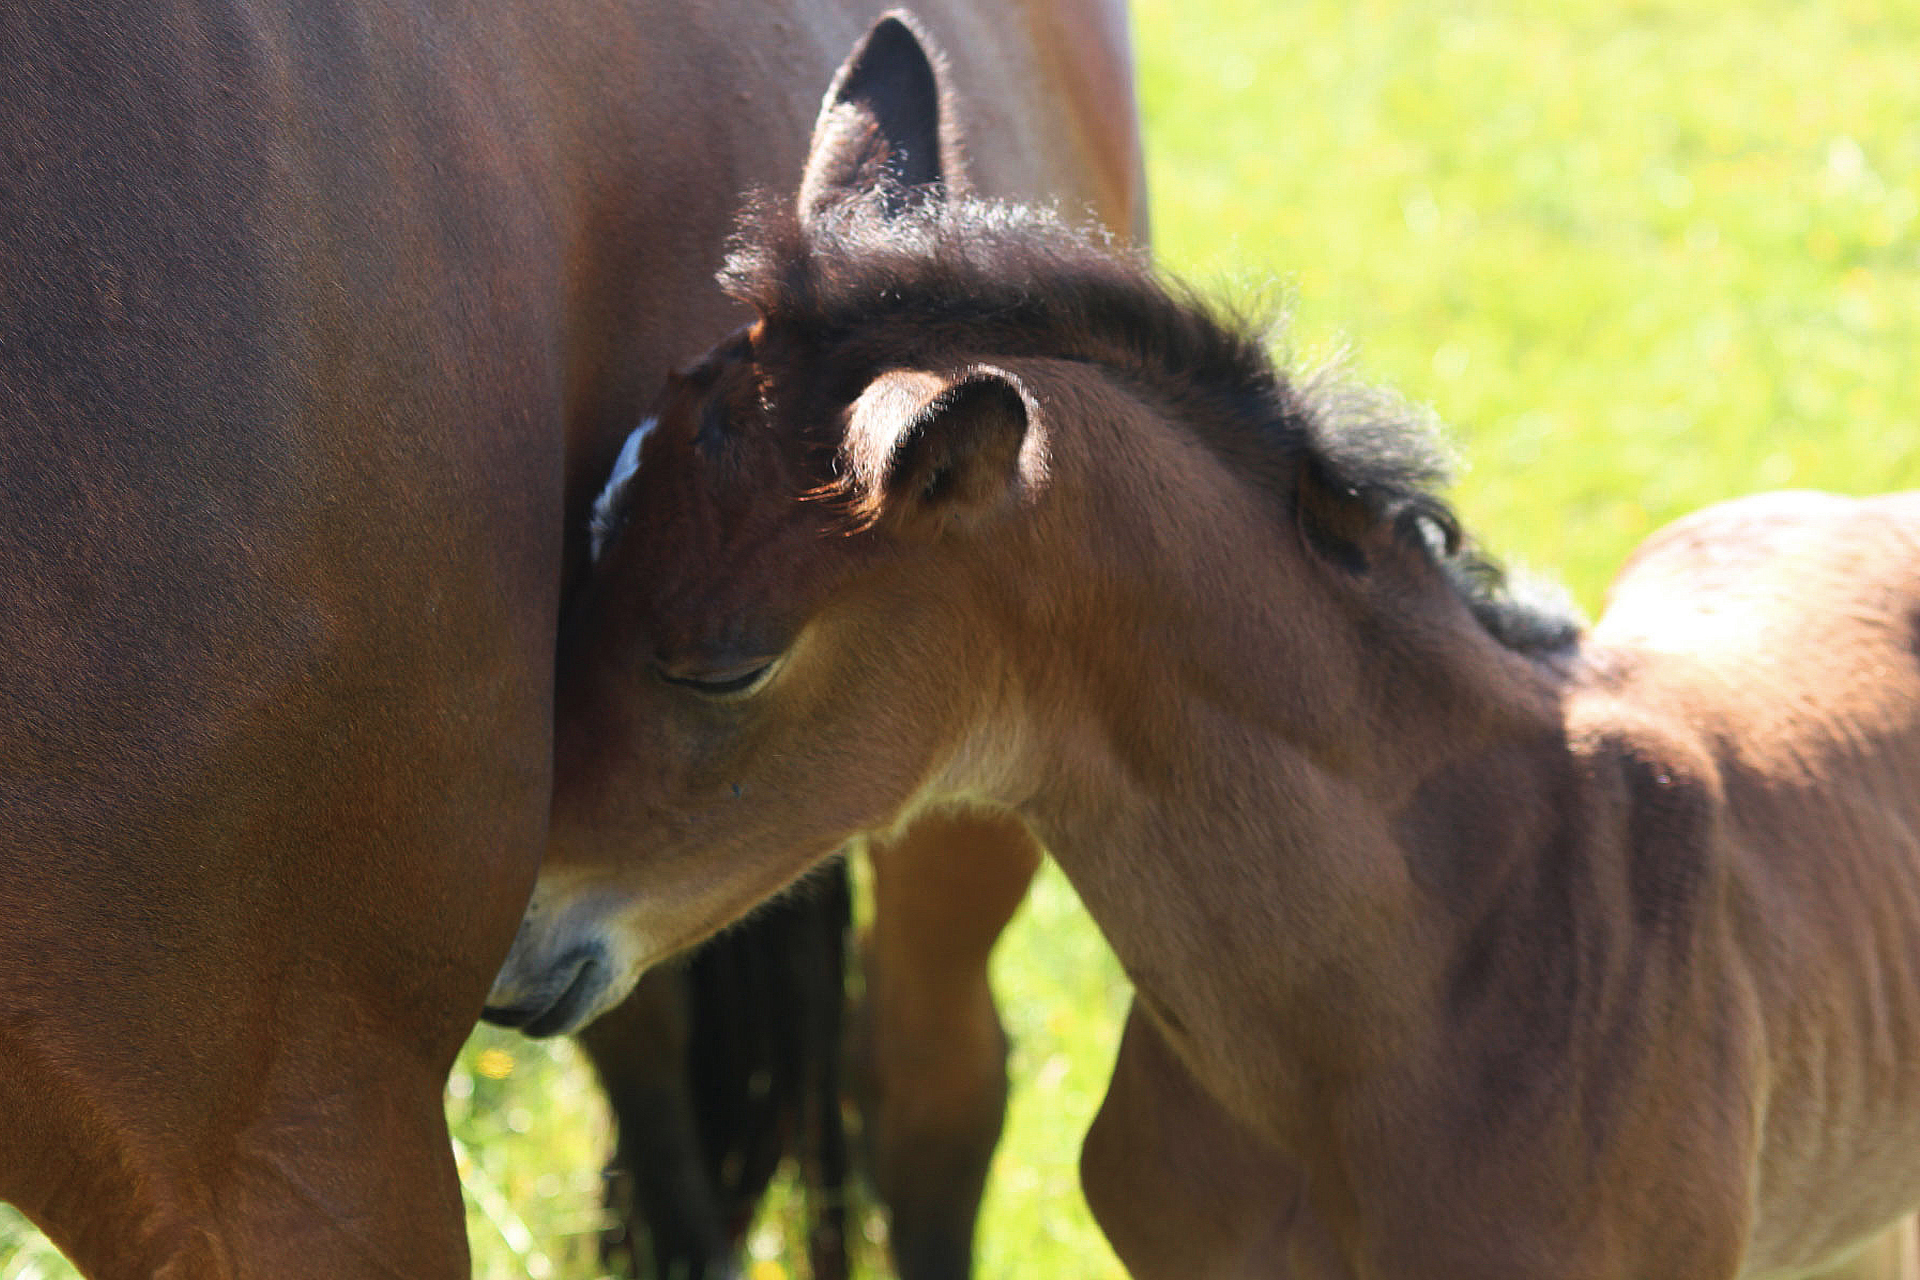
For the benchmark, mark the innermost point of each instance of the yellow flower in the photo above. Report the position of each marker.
(494, 1064)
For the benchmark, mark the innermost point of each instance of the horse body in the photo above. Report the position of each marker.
(1472, 945)
(321, 324)
(283, 348)
(1774, 637)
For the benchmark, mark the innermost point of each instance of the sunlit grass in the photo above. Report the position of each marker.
(530, 1136)
(25, 1254)
(1641, 255)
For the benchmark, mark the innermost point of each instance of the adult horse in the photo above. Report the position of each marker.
(319, 325)
(1465, 943)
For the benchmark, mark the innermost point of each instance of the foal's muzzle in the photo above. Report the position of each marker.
(566, 998)
(559, 976)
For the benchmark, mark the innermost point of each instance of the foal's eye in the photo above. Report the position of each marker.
(725, 684)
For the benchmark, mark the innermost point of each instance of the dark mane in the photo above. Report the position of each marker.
(1018, 281)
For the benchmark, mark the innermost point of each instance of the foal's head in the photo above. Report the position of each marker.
(825, 554)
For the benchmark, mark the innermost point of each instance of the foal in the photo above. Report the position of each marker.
(1489, 948)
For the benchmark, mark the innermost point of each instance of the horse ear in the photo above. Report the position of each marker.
(880, 126)
(933, 451)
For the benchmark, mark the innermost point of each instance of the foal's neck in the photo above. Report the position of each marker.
(1250, 758)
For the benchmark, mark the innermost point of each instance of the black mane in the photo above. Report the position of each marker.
(1018, 281)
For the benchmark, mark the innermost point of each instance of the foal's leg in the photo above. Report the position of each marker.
(933, 1053)
(1181, 1190)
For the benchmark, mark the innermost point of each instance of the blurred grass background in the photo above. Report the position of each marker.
(1641, 255)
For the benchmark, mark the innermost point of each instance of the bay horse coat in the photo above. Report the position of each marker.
(320, 324)
(1465, 942)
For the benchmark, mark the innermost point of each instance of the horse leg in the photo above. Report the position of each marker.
(716, 1069)
(659, 1189)
(768, 1039)
(1180, 1189)
(932, 1049)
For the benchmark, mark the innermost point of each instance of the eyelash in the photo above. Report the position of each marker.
(726, 686)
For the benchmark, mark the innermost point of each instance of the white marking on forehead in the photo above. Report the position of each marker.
(606, 507)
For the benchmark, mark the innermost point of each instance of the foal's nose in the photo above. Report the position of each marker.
(553, 996)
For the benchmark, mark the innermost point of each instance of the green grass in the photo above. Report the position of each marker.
(1641, 256)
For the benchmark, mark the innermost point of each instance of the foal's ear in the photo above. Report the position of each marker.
(930, 452)
(880, 127)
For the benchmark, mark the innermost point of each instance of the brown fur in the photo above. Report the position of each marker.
(322, 322)
(1488, 947)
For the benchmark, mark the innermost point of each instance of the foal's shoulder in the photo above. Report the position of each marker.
(1653, 791)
